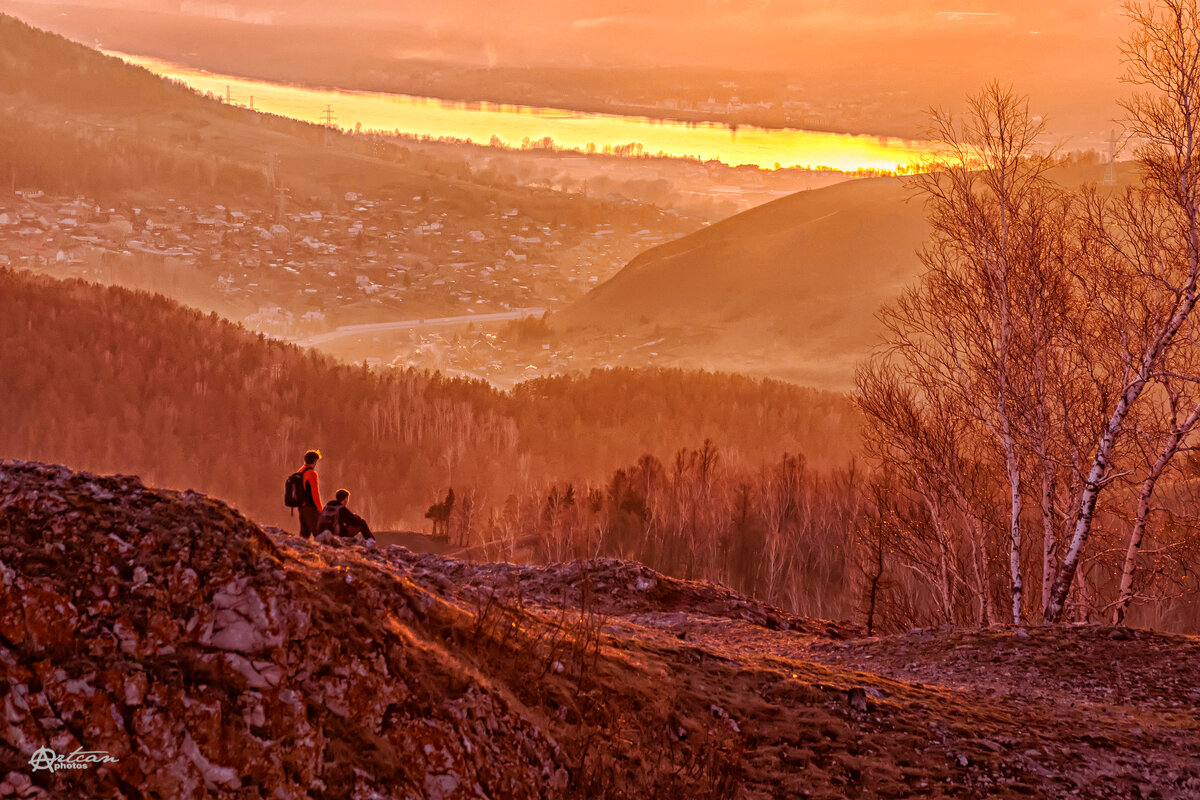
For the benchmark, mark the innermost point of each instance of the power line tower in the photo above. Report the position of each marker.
(1110, 171)
(281, 193)
(281, 198)
(327, 119)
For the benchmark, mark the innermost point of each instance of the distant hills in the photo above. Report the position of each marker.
(375, 228)
(865, 66)
(788, 289)
(75, 121)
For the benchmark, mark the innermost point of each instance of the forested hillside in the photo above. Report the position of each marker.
(113, 380)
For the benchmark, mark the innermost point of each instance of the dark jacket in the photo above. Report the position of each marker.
(341, 521)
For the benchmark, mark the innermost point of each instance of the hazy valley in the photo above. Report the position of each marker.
(693, 466)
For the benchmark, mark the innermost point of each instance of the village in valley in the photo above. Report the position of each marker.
(406, 278)
(300, 270)
(389, 282)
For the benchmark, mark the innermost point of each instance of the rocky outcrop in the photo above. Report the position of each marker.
(168, 631)
(170, 648)
(607, 586)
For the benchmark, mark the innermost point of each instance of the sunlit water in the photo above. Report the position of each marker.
(479, 122)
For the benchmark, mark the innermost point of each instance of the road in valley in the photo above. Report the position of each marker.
(343, 331)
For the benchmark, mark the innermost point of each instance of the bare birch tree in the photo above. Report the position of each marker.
(965, 327)
(1146, 244)
(1177, 418)
(919, 438)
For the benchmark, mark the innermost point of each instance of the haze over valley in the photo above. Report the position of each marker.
(607, 399)
(554, 222)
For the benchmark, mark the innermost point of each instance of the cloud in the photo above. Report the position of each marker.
(606, 22)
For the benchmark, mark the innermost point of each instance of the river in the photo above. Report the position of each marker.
(479, 122)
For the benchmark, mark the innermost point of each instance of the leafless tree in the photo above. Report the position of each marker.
(1175, 420)
(963, 333)
(1144, 245)
(919, 437)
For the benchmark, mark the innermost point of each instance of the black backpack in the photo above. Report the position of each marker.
(331, 519)
(295, 493)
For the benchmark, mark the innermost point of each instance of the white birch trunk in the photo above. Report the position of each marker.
(1049, 538)
(1052, 613)
(1169, 450)
(1125, 594)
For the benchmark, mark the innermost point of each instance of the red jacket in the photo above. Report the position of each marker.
(312, 484)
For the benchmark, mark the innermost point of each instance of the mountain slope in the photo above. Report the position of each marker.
(808, 246)
(215, 659)
(76, 121)
(805, 273)
(789, 289)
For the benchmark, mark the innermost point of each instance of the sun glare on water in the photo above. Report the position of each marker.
(480, 122)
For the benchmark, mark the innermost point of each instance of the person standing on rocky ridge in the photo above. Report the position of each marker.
(310, 494)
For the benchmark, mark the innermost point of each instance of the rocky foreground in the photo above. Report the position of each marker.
(212, 658)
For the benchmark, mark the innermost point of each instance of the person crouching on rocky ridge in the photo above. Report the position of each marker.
(340, 520)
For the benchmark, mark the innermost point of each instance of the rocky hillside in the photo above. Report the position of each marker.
(212, 658)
